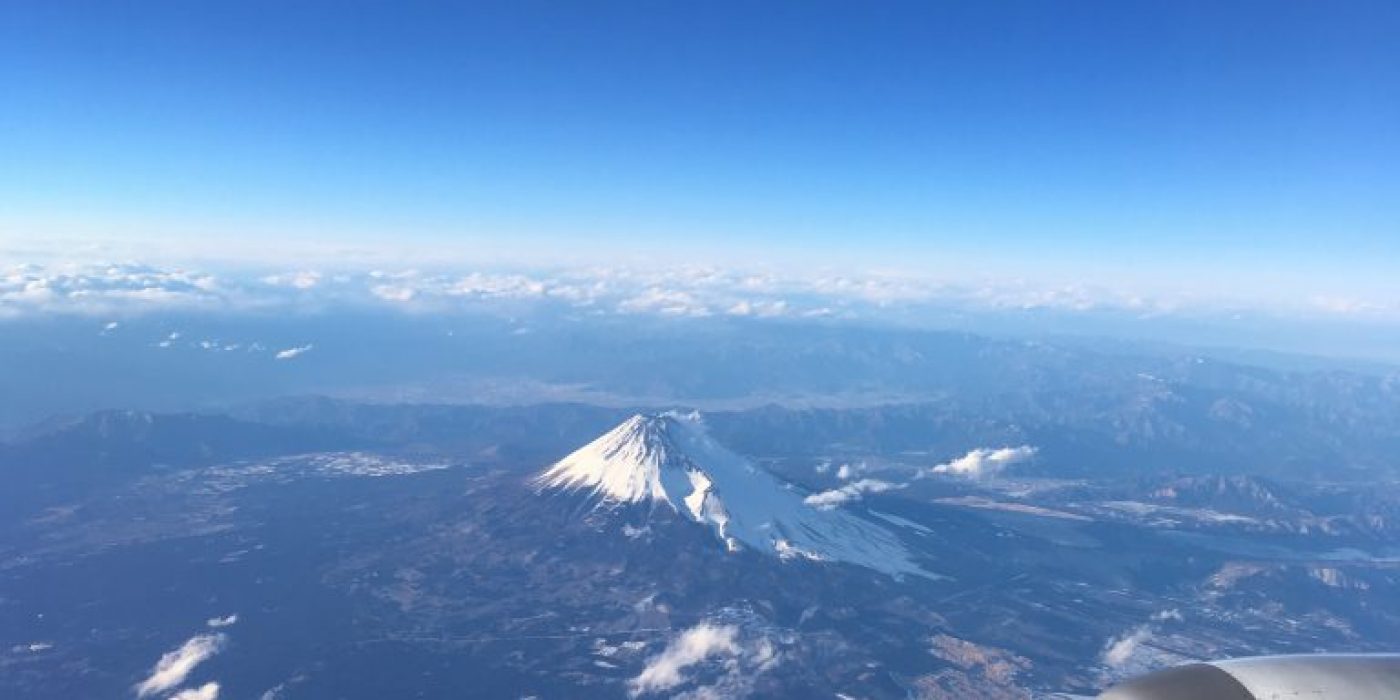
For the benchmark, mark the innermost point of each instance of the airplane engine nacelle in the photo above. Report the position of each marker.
(1315, 677)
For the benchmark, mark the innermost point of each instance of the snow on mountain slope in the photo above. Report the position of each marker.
(671, 460)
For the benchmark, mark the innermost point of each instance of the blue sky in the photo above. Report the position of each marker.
(1177, 140)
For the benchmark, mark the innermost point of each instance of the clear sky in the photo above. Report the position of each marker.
(1174, 138)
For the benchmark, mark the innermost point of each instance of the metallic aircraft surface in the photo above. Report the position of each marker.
(1316, 677)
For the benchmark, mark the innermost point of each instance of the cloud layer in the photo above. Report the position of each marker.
(675, 291)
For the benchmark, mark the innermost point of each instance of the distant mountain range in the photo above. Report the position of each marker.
(1103, 400)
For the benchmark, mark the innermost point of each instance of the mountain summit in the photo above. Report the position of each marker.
(670, 460)
(641, 459)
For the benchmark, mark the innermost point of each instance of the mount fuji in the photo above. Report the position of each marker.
(670, 461)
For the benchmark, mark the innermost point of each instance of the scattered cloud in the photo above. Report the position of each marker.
(393, 292)
(985, 461)
(291, 353)
(508, 286)
(854, 491)
(304, 279)
(666, 302)
(1119, 650)
(666, 670)
(222, 621)
(174, 667)
(275, 692)
(762, 308)
(102, 289)
(208, 691)
(734, 657)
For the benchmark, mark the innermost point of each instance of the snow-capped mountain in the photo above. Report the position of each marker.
(670, 461)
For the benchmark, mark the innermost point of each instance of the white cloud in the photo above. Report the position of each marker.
(760, 308)
(394, 292)
(98, 289)
(666, 302)
(737, 673)
(173, 667)
(208, 691)
(985, 461)
(291, 353)
(305, 279)
(222, 621)
(667, 290)
(826, 500)
(1119, 650)
(499, 286)
(664, 671)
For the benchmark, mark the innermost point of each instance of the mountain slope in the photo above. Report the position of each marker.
(670, 461)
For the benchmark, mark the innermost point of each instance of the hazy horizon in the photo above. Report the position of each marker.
(1232, 155)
